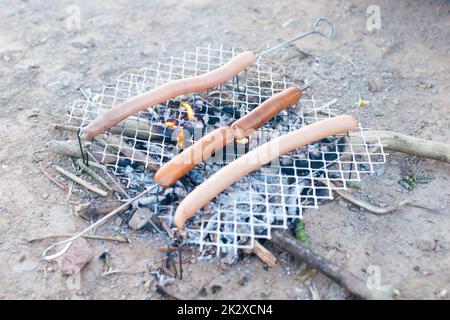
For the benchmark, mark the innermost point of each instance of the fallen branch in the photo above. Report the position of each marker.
(81, 182)
(399, 142)
(58, 183)
(376, 210)
(117, 238)
(341, 276)
(71, 148)
(132, 127)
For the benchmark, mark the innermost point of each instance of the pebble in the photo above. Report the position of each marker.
(78, 255)
(44, 196)
(140, 218)
(6, 58)
(443, 294)
(427, 242)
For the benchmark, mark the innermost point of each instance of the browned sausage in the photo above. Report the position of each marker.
(185, 161)
(169, 91)
(266, 111)
(256, 158)
(201, 150)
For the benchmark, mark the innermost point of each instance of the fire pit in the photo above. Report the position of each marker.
(270, 198)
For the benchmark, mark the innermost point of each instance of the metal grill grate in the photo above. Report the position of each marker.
(269, 198)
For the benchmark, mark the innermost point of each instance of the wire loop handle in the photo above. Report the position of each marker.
(68, 242)
(315, 30)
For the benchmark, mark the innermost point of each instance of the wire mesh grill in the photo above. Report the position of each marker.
(271, 197)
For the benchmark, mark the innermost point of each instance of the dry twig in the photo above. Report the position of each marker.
(81, 182)
(58, 183)
(117, 238)
(265, 255)
(94, 175)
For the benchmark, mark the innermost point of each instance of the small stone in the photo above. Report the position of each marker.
(44, 196)
(374, 86)
(427, 242)
(78, 255)
(6, 58)
(118, 221)
(443, 294)
(180, 192)
(140, 218)
(243, 281)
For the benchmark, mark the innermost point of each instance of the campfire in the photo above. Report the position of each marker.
(270, 198)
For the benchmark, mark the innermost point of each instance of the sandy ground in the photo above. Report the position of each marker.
(42, 65)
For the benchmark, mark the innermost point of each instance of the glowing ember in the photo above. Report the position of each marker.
(189, 112)
(170, 124)
(180, 138)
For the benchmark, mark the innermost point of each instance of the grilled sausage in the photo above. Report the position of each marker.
(168, 91)
(266, 111)
(255, 159)
(219, 138)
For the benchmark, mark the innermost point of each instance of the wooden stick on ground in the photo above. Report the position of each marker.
(81, 182)
(265, 255)
(117, 238)
(71, 148)
(93, 174)
(399, 142)
(341, 276)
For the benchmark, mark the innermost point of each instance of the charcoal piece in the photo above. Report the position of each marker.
(169, 197)
(229, 110)
(211, 120)
(127, 163)
(196, 177)
(326, 152)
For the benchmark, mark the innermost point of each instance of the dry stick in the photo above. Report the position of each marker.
(81, 182)
(71, 148)
(132, 127)
(376, 210)
(129, 152)
(162, 290)
(399, 142)
(58, 183)
(96, 208)
(94, 175)
(167, 228)
(117, 238)
(265, 255)
(342, 277)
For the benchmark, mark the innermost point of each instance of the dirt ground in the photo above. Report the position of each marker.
(43, 64)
